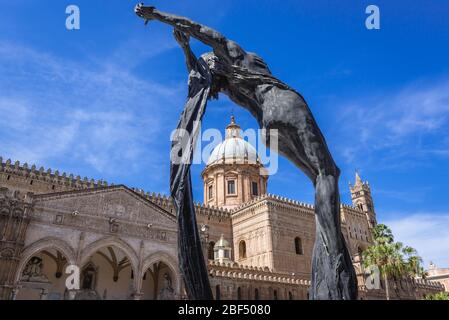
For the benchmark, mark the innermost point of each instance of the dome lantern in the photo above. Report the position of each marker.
(222, 250)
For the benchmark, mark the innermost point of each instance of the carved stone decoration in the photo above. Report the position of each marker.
(15, 212)
(89, 277)
(33, 271)
(248, 81)
(167, 292)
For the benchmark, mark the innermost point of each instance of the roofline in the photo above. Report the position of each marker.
(89, 190)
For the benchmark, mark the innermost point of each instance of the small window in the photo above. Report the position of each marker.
(242, 249)
(210, 192)
(298, 245)
(255, 189)
(256, 294)
(210, 250)
(217, 292)
(8, 177)
(275, 295)
(231, 187)
(290, 295)
(239, 293)
(31, 182)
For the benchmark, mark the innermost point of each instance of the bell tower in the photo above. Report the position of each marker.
(362, 199)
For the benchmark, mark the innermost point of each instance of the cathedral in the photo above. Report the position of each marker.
(124, 240)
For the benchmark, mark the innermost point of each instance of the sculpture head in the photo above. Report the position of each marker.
(211, 59)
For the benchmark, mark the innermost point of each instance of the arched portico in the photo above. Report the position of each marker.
(41, 270)
(158, 271)
(108, 269)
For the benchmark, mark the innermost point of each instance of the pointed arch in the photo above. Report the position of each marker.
(42, 244)
(95, 246)
(168, 260)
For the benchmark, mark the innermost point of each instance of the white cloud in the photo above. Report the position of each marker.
(426, 232)
(97, 114)
(397, 125)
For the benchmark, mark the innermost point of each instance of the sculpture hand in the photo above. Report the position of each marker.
(181, 37)
(146, 12)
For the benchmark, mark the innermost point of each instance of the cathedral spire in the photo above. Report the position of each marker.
(358, 180)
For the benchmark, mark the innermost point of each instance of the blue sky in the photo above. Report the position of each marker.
(101, 101)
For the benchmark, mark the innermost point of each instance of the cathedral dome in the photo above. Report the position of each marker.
(234, 173)
(234, 149)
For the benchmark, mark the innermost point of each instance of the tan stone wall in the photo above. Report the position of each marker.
(26, 178)
(439, 274)
(252, 228)
(254, 283)
(218, 175)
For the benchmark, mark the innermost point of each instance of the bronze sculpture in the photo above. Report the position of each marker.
(247, 80)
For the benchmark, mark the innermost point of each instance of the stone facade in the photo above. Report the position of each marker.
(124, 241)
(439, 274)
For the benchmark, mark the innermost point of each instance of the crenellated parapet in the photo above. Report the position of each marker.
(428, 284)
(41, 180)
(233, 270)
(275, 201)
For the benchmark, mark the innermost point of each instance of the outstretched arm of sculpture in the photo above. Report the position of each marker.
(183, 41)
(223, 47)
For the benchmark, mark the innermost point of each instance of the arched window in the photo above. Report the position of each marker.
(256, 294)
(217, 292)
(298, 245)
(242, 249)
(210, 250)
(239, 293)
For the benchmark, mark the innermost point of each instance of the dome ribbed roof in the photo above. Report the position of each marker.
(233, 149)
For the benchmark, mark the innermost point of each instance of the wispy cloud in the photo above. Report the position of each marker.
(399, 125)
(426, 232)
(100, 114)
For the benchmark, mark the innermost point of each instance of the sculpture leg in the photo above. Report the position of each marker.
(190, 251)
(333, 275)
(301, 141)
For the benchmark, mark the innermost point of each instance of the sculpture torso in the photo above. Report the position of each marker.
(241, 79)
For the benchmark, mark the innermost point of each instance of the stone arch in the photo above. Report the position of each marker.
(358, 248)
(167, 259)
(114, 242)
(93, 247)
(42, 244)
